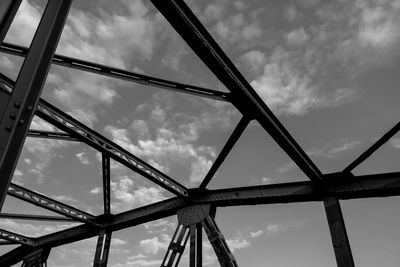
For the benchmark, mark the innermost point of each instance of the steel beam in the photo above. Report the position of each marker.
(123, 74)
(51, 135)
(176, 247)
(13, 237)
(106, 184)
(50, 204)
(225, 150)
(218, 242)
(364, 186)
(102, 249)
(8, 9)
(123, 220)
(35, 217)
(244, 97)
(78, 130)
(367, 153)
(340, 240)
(15, 121)
(382, 185)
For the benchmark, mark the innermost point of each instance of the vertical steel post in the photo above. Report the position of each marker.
(106, 183)
(102, 249)
(192, 256)
(8, 9)
(16, 118)
(340, 240)
(196, 245)
(218, 242)
(199, 238)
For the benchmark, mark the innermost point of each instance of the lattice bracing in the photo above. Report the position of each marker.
(195, 208)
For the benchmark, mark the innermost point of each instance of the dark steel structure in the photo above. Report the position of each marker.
(195, 208)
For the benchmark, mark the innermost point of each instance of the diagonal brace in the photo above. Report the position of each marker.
(50, 204)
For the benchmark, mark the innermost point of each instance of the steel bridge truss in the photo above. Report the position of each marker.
(195, 208)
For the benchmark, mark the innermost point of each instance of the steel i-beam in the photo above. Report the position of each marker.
(17, 116)
(340, 240)
(176, 247)
(8, 9)
(102, 249)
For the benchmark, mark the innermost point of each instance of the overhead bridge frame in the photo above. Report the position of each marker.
(195, 207)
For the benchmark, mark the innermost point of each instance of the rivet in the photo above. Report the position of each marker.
(13, 116)
(29, 108)
(17, 104)
(21, 121)
(8, 128)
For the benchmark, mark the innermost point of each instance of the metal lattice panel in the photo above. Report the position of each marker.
(20, 101)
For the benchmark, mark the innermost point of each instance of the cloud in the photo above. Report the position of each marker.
(332, 150)
(96, 190)
(83, 158)
(127, 196)
(80, 93)
(168, 139)
(287, 89)
(42, 151)
(235, 244)
(297, 37)
(256, 234)
(25, 23)
(154, 245)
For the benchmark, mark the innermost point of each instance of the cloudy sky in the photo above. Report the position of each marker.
(328, 69)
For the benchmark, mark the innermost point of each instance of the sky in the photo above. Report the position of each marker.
(329, 70)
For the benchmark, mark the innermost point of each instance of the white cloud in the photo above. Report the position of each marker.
(287, 89)
(267, 180)
(297, 37)
(83, 158)
(117, 242)
(25, 23)
(235, 244)
(332, 150)
(167, 140)
(154, 245)
(127, 196)
(95, 190)
(256, 234)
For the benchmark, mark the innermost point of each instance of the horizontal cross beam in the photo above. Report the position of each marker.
(122, 74)
(381, 185)
(345, 187)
